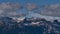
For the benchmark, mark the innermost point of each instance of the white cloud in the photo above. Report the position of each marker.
(31, 6)
(10, 6)
(9, 9)
(52, 10)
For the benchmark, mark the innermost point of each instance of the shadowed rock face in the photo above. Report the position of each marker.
(40, 26)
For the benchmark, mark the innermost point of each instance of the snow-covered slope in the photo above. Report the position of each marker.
(49, 18)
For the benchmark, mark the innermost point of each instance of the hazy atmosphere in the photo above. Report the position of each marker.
(29, 16)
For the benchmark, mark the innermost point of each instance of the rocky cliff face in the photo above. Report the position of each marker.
(29, 25)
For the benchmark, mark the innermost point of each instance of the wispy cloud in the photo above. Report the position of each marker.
(9, 9)
(52, 10)
(11, 6)
(30, 6)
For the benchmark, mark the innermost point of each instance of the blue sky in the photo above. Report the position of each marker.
(39, 2)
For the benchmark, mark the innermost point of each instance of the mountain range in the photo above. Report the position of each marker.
(10, 26)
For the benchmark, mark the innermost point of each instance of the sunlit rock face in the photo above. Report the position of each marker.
(18, 19)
